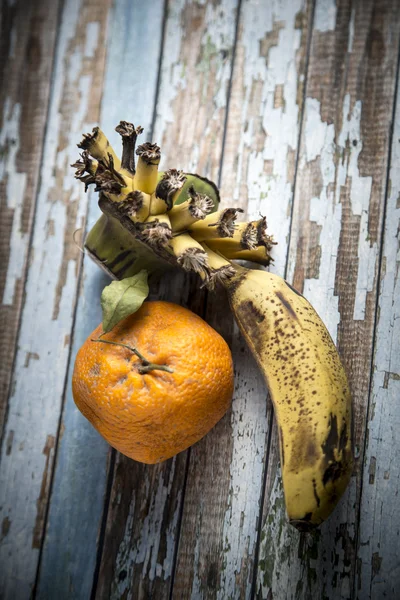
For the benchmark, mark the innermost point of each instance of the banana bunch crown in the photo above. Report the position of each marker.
(172, 217)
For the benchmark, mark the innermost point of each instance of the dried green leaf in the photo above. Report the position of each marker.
(122, 298)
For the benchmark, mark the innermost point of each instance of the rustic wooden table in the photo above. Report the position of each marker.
(293, 107)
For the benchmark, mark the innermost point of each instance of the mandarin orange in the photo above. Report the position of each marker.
(155, 404)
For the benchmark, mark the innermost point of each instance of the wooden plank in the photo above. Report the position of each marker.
(43, 345)
(225, 477)
(334, 251)
(70, 547)
(378, 571)
(27, 41)
(144, 516)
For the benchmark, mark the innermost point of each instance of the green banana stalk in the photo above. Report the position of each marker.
(308, 387)
(112, 247)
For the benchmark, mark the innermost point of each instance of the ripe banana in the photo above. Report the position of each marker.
(308, 387)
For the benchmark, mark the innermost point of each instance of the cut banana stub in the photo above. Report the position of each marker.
(129, 134)
(221, 270)
(170, 186)
(216, 225)
(190, 254)
(158, 206)
(135, 205)
(86, 168)
(147, 168)
(193, 259)
(196, 208)
(156, 231)
(245, 237)
(99, 147)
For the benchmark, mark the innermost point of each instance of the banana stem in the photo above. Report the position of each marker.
(221, 269)
(170, 186)
(86, 168)
(135, 205)
(217, 225)
(129, 134)
(147, 366)
(99, 147)
(190, 255)
(110, 181)
(158, 206)
(147, 168)
(157, 231)
(118, 251)
(187, 213)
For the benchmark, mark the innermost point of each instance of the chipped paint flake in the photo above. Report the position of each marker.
(360, 196)
(249, 434)
(326, 209)
(142, 548)
(92, 38)
(325, 15)
(15, 190)
(326, 213)
(351, 30)
(196, 585)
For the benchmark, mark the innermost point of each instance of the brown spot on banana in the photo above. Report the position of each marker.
(332, 439)
(253, 311)
(317, 498)
(251, 317)
(287, 305)
(312, 452)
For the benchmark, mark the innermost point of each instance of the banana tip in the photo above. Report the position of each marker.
(303, 525)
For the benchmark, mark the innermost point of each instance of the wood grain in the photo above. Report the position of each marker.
(27, 39)
(225, 477)
(378, 571)
(68, 557)
(43, 344)
(334, 251)
(195, 75)
(70, 548)
(144, 516)
(211, 522)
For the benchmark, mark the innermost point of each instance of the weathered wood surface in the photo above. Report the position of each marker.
(295, 100)
(378, 565)
(143, 523)
(334, 259)
(219, 532)
(27, 38)
(35, 402)
(70, 550)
